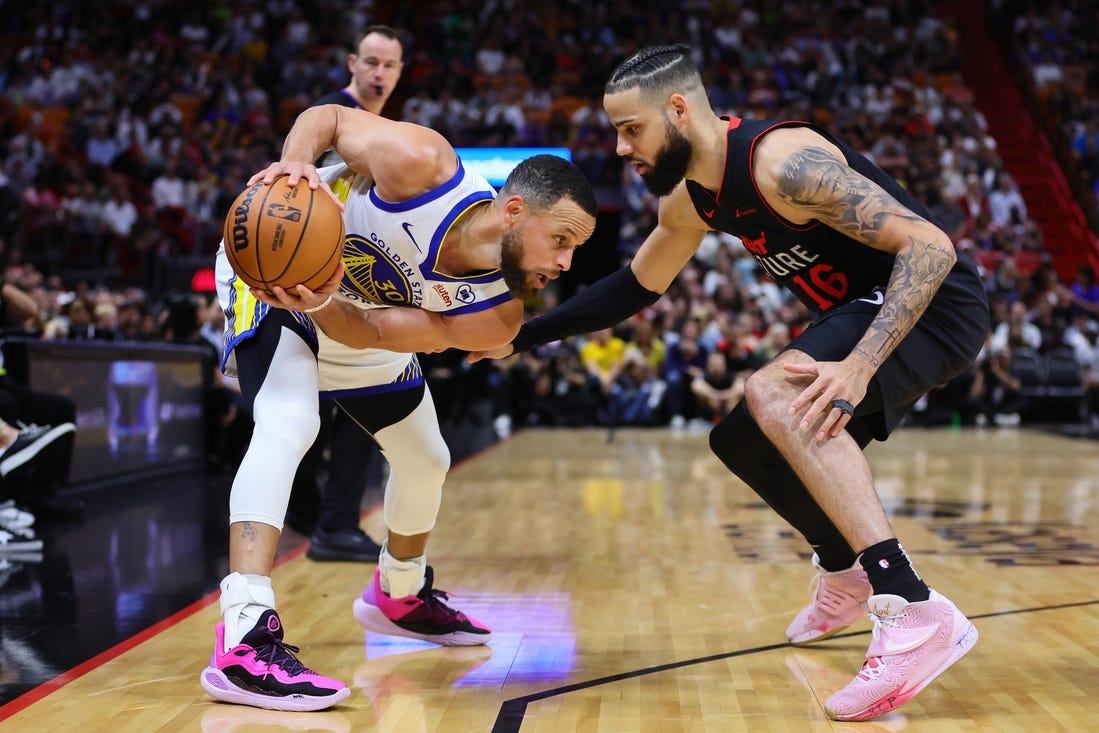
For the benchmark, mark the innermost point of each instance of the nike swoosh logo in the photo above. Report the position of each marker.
(709, 214)
(744, 212)
(876, 299)
(407, 226)
(911, 643)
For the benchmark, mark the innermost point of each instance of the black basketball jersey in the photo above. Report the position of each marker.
(823, 267)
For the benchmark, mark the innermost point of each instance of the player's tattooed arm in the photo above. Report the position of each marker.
(917, 274)
(814, 180)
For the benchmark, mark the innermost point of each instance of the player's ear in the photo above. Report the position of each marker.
(678, 107)
(515, 208)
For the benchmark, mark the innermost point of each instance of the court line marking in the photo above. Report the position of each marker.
(512, 712)
(28, 698)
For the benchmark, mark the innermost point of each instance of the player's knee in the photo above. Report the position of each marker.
(433, 464)
(764, 399)
(291, 425)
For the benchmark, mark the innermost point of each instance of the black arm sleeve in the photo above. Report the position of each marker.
(602, 304)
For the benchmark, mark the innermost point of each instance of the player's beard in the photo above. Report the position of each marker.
(670, 164)
(511, 265)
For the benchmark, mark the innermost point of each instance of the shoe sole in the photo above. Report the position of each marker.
(34, 449)
(218, 686)
(962, 644)
(371, 618)
(815, 639)
(18, 547)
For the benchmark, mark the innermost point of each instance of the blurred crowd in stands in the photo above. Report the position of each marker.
(127, 127)
(1059, 50)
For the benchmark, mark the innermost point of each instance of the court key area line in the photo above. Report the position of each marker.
(512, 712)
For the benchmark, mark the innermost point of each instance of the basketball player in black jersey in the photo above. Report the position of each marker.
(897, 312)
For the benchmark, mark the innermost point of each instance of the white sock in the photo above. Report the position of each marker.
(401, 578)
(244, 598)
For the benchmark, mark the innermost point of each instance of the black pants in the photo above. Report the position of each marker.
(351, 452)
(20, 403)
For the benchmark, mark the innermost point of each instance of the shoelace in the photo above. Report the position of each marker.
(433, 601)
(884, 621)
(874, 666)
(282, 654)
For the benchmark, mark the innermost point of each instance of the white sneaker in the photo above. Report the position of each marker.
(13, 516)
(12, 543)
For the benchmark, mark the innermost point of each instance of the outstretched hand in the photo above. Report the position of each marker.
(831, 380)
(301, 298)
(498, 353)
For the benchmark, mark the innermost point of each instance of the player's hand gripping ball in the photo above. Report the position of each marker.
(278, 235)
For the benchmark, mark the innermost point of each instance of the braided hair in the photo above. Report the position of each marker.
(655, 70)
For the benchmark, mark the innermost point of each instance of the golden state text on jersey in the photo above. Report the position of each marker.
(392, 249)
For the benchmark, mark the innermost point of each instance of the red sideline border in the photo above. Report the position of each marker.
(30, 697)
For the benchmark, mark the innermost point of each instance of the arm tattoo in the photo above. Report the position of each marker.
(817, 181)
(918, 272)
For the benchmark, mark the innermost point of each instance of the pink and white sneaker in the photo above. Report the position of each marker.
(837, 600)
(423, 616)
(263, 672)
(913, 644)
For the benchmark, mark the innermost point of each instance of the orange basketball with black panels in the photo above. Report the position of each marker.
(281, 235)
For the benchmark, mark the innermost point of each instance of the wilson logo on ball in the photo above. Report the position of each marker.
(284, 235)
(240, 236)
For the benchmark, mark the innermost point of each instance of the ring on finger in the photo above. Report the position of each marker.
(844, 406)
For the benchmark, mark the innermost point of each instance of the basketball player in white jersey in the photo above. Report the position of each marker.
(433, 259)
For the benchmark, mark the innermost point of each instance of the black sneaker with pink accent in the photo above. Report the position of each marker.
(263, 672)
(423, 616)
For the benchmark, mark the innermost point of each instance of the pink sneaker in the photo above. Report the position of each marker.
(913, 644)
(838, 600)
(423, 616)
(263, 672)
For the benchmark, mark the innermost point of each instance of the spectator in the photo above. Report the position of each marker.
(1085, 291)
(1017, 330)
(602, 356)
(43, 418)
(1005, 204)
(637, 393)
(172, 198)
(995, 392)
(718, 389)
(685, 361)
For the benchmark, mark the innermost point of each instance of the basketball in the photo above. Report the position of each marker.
(278, 235)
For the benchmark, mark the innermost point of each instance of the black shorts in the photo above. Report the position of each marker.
(943, 345)
(371, 412)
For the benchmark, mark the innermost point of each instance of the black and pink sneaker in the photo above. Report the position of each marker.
(423, 616)
(262, 671)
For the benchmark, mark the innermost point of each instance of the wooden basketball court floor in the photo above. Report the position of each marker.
(634, 585)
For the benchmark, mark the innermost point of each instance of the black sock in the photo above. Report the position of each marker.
(889, 571)
(835, 555)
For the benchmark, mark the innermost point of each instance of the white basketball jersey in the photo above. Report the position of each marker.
(390, 257)
(391, 250)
